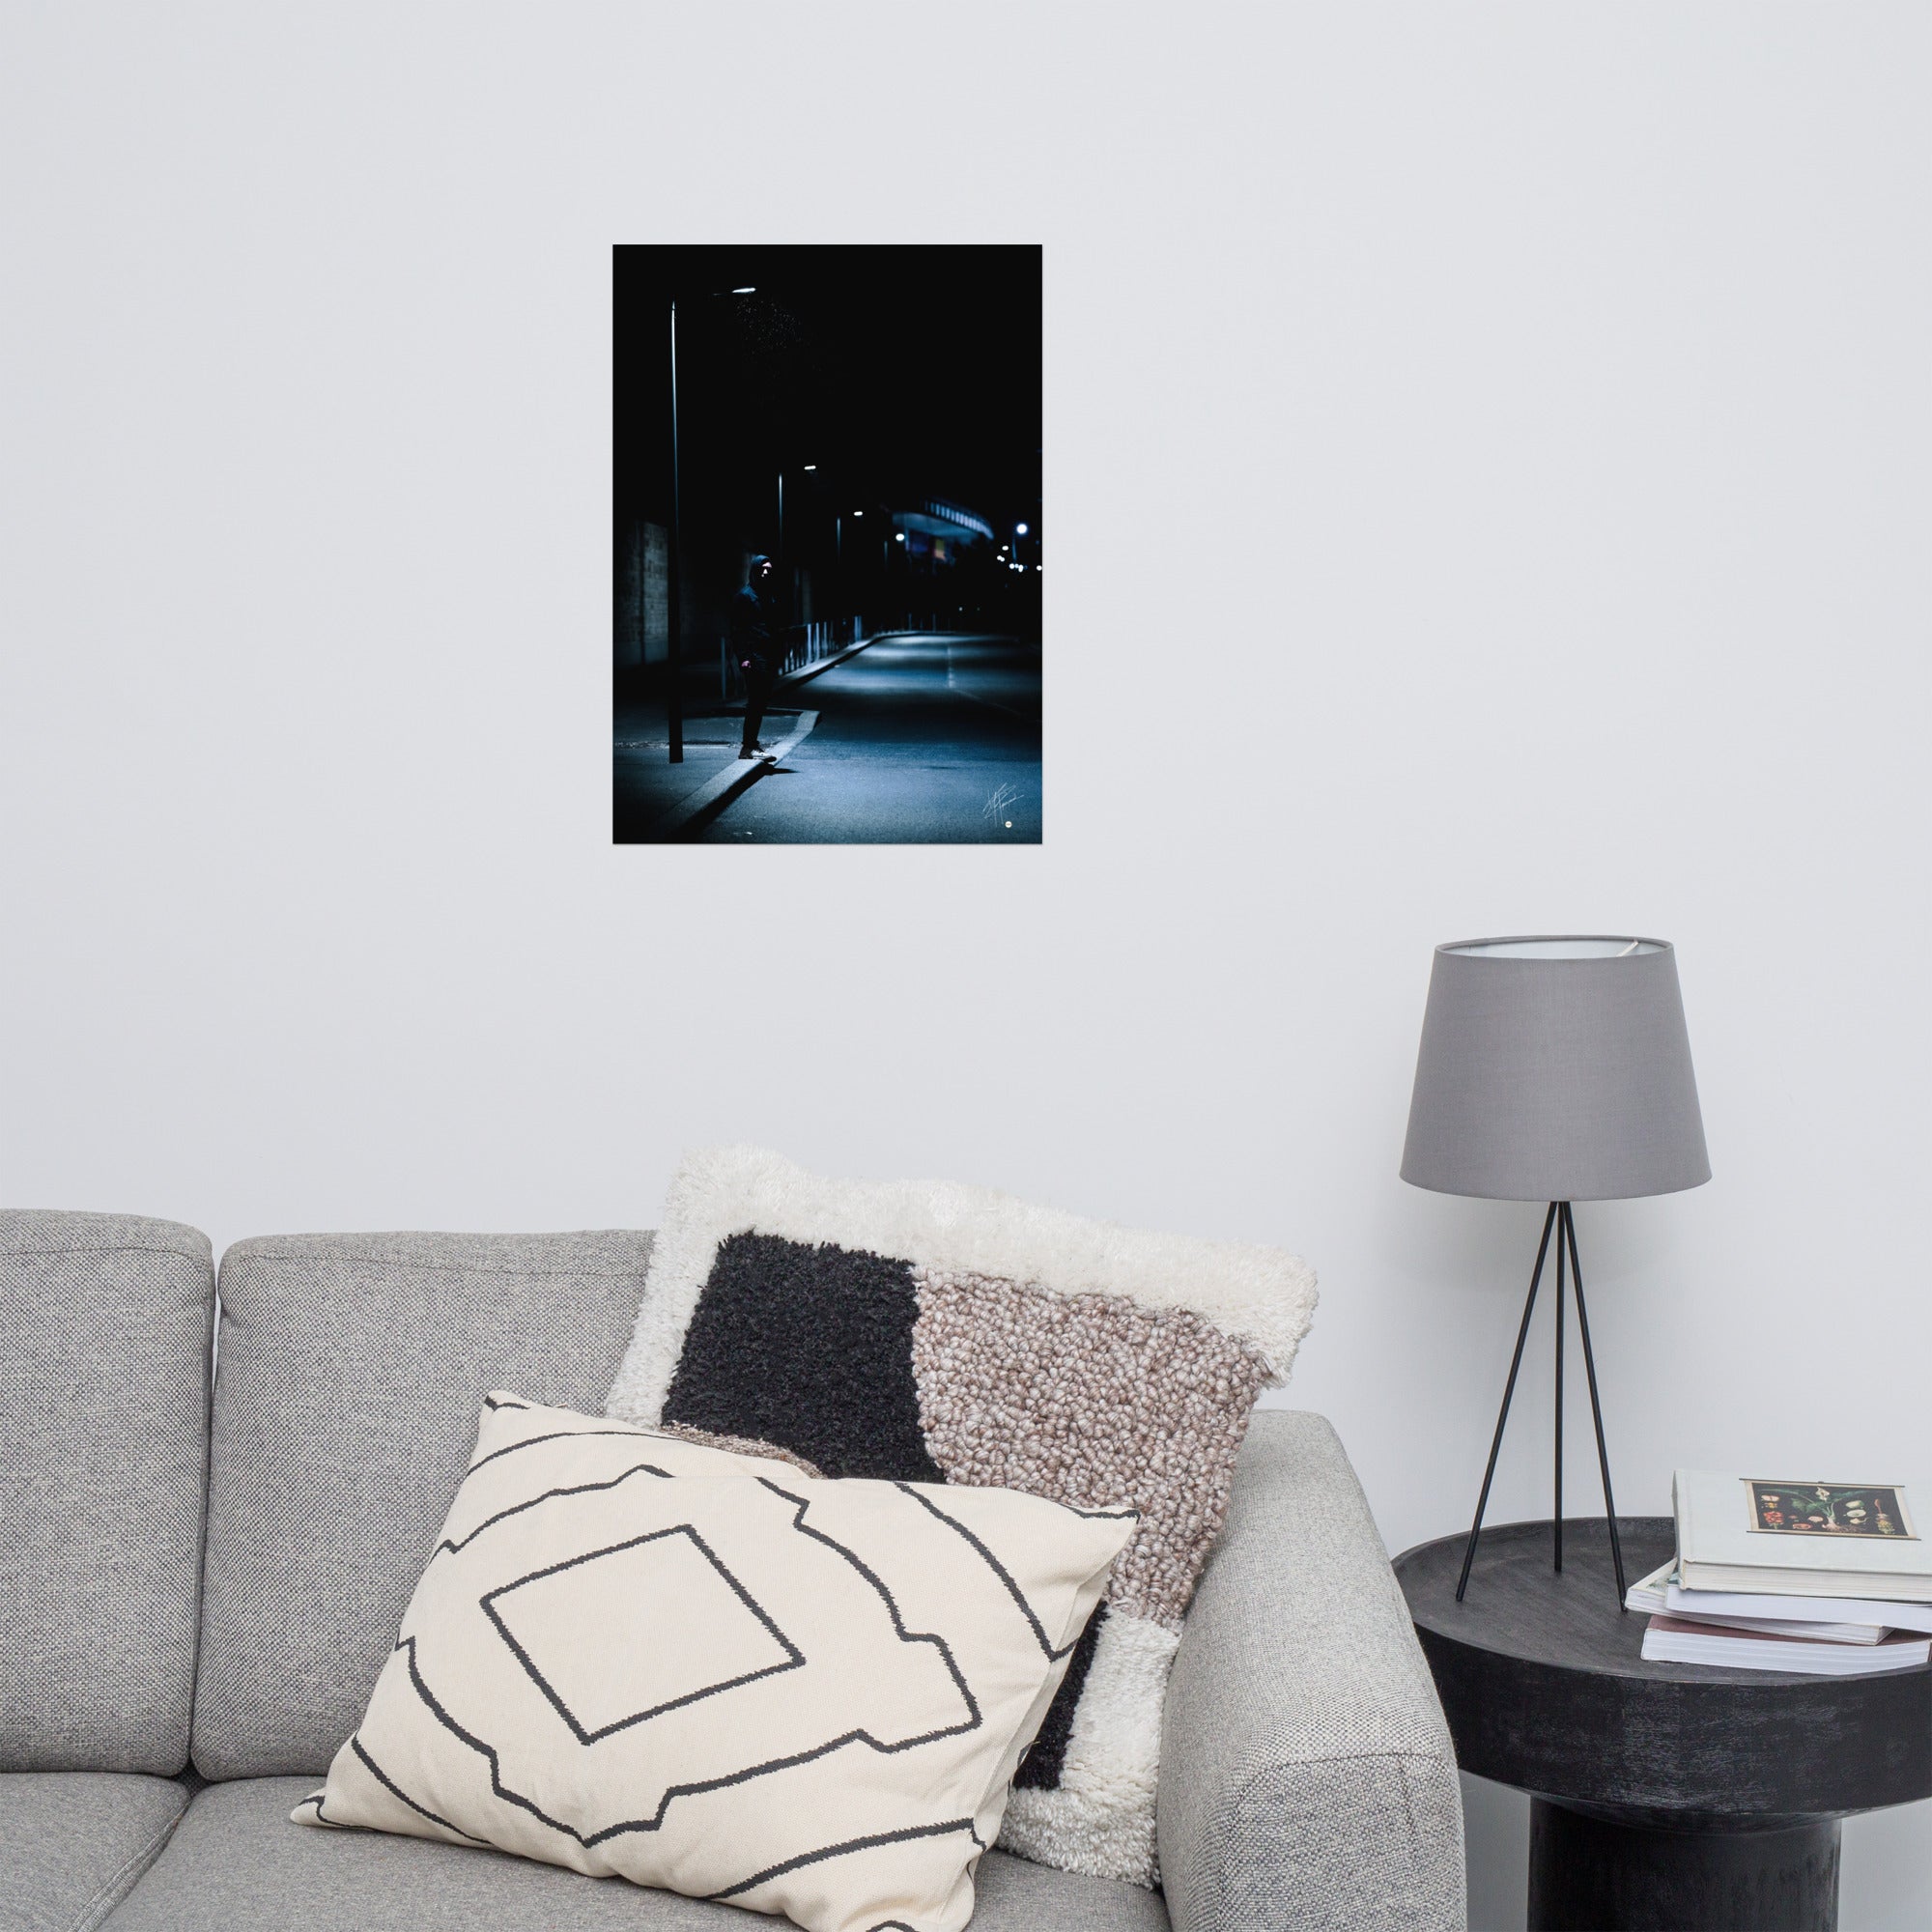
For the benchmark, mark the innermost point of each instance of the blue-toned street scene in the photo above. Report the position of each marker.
(828, 539)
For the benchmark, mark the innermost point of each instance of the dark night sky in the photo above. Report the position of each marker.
(900, 371)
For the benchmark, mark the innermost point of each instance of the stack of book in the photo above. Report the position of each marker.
(1828, 1579)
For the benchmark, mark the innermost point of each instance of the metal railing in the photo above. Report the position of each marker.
(823, 639)
(820, 641)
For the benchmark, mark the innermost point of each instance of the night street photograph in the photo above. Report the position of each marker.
(827, 544)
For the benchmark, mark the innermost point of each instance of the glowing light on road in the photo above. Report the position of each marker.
(1019, 530)
(900, 538)
(812, 465)
(744, 292)
(857, 513)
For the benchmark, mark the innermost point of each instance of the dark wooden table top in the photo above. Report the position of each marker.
(1544, 1688)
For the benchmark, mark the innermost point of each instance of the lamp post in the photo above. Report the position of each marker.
(674, 576)
(674, 572)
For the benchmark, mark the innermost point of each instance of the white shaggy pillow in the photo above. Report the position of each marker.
(926, 1331)
(638, 1656)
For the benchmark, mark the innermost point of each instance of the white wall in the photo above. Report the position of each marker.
(1488, 481)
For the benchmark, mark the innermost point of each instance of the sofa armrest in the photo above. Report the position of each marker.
(1307, 1779)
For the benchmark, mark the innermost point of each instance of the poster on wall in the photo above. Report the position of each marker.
(826, 598)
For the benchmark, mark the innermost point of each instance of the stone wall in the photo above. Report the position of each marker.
(643, 601)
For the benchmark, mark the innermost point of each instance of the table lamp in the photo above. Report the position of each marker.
(1554, 1069)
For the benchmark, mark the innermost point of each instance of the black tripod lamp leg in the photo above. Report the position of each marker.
(1596, 1406)
(1509, 1389)
(1556, 1488)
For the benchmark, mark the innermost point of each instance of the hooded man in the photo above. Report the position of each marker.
(757, 646)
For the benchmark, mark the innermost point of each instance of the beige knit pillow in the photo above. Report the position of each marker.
(930, 1332)
(636, 1654)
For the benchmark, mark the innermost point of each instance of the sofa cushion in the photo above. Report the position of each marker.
(631, 1653)
(237, 1865)
(72, 1842)
(352, 1368)
(103, 1409)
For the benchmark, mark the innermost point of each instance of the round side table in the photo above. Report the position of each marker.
(1664, 1795)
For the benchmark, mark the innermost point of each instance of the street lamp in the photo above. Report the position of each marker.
(674, 579)
(1019, 530)
(674, 574)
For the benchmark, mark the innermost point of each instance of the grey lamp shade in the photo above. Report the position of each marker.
(1555, 1069)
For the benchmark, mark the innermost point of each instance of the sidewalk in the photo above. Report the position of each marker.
(646, 784)
(925, 740)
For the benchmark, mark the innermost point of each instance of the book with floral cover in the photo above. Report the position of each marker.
(1804, 1537)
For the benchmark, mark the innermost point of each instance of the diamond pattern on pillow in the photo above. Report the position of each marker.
(642, 1657)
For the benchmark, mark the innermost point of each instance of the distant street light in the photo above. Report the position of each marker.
(857, 513)
(1019, 530)
(900, 537)
(744, 292)
(810, 466)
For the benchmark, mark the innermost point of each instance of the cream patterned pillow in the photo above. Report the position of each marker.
(637, 1655)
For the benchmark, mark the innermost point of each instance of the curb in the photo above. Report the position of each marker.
(740, 775)
(806, 672)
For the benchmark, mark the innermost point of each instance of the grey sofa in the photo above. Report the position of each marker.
(201, 1573)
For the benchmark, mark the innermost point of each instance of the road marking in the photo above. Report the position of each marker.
(960, 691)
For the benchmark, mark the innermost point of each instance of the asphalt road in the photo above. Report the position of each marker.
(922, 740)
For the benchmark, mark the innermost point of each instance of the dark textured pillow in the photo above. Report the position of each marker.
(930, 1332)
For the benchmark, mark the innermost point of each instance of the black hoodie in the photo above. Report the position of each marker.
(756, 631)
